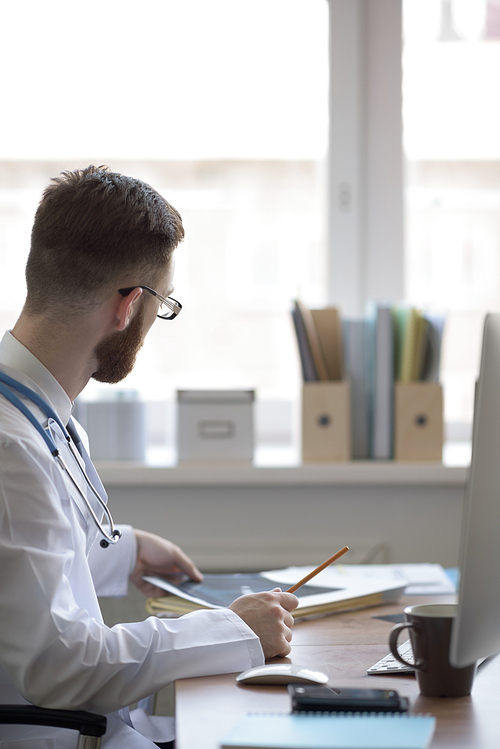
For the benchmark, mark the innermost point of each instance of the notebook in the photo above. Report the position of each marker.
(331, 731)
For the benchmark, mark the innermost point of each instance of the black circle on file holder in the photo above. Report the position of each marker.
(421, 420)
(324, 420)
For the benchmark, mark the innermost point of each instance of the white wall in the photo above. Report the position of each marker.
(236, 527)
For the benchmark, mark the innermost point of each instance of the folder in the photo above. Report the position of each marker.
(382, 389)
(356, 344)
(309, 372)
(304, 320)
(329, 331)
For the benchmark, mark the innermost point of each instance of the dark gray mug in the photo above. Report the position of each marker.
(429, 625)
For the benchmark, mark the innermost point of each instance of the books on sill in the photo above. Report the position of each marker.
(371, 386)
(331, 731)
(330, 592)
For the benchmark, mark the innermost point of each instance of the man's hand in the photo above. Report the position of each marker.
(156, 556)
(268, 614)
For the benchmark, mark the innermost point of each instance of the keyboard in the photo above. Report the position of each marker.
(389, 665)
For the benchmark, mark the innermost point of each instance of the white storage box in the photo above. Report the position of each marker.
(215, 425)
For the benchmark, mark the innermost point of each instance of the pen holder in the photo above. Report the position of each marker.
(326, 421)
(418, 421)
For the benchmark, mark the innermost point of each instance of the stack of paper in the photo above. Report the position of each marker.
(331, 591)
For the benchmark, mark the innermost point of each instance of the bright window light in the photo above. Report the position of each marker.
(451, 124)
(223, 107)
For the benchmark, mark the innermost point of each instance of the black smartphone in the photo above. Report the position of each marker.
(309, 697)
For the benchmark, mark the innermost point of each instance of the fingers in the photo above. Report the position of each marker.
(186, 565)
(163, 557)
(289, 601)
(288, 622)
(283, 651)
(157, 556)
(268, 615)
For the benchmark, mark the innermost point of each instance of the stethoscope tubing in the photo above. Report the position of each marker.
(7, 382)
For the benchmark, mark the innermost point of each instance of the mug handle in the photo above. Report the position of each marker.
(419, 664)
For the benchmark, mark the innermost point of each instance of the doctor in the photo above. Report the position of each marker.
(98, 274)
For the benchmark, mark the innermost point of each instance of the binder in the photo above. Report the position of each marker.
(326, 421)
(418, 421)
(382, 370)
(309, 371)
(329, 330)
(408, 328)
(355, 337)
(305, 321)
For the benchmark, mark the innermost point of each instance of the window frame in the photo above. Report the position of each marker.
(366, 183)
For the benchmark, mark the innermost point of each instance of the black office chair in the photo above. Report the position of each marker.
(90, 726)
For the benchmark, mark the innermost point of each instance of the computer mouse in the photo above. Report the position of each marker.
(281, 673)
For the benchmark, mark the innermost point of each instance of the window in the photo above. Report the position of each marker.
(223, 107)
(451, 112)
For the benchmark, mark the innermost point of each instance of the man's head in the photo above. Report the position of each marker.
(93, 229)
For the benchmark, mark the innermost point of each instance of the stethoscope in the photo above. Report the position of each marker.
(71, 435)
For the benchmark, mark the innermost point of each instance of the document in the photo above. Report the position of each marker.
(420, 579)
(329, 592)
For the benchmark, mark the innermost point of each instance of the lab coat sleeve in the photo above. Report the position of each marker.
(54, 646)
(112, 566)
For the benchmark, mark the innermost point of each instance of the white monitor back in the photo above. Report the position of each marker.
(476, 633)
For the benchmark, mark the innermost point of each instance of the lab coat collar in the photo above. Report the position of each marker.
(16, 356)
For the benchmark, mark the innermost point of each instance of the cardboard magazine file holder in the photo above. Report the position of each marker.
(418, 421)
(326, 421)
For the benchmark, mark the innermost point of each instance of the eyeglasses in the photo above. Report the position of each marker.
(169, 307)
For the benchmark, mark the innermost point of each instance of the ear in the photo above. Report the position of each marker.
(127, 308)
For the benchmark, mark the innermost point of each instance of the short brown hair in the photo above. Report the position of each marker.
(92, 227)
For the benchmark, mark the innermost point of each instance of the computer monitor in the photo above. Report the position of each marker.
(476, 631)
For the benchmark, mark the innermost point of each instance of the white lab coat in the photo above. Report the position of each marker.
(55, 650)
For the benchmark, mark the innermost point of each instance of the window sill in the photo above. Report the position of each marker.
(274, 468)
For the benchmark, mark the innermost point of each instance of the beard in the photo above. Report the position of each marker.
(116, 355)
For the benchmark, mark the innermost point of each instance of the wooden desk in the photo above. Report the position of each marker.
(343, 646)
